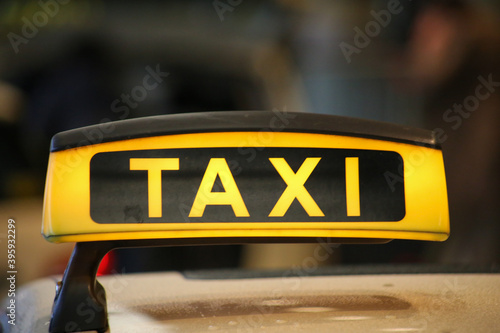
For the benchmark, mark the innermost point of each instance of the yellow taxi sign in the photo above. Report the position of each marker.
(245, 175)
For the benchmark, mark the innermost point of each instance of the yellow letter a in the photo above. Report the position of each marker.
(231, 196)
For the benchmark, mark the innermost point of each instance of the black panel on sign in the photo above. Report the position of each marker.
(120, 195)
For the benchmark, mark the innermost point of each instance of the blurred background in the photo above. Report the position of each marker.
(430, 64)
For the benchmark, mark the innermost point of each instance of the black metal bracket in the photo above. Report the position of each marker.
(80, 301)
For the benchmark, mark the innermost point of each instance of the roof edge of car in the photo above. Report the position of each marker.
(361, 269)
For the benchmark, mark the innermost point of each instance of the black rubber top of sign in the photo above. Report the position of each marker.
(274, 121)
(120, 195)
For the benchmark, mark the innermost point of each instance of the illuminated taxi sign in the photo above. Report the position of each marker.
(245, 175)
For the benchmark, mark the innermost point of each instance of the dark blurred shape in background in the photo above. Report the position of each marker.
(453, 59)
(66, 64)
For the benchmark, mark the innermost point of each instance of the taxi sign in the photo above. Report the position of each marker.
(232, 177)
(220, 175)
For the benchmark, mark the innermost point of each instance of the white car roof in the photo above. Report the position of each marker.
(172, 302)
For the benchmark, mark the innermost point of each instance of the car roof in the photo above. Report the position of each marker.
(284, 302)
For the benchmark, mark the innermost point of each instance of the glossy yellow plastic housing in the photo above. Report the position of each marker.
(67, 216)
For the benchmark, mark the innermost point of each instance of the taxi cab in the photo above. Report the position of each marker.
(241, 178)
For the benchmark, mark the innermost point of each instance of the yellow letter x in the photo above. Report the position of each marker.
(295, 188)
